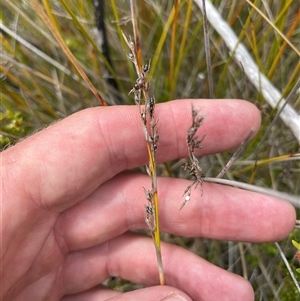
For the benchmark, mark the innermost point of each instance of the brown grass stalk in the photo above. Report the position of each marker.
(146, 106)
(64, 47)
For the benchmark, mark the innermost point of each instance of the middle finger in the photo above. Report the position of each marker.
(221, 212)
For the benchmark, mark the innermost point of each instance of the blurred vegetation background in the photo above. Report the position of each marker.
(40, 85)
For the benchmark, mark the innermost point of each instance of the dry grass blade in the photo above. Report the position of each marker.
(288, 266)
(283, 158)
(65, 48)
(258, 79)
(173, 44)
(37, 51)
(207, 51)
(136, 35)
(162, 41)
(285, 104)
(294, 200)
(283, 46)
(275, 28)
(174, 79)
(235, 155)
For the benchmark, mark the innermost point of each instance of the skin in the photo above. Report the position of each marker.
(68, 204)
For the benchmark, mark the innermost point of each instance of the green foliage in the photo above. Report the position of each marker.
(296, 245)
(12, 127)
(289, 293)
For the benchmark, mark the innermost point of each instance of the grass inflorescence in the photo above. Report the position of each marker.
(146, 106)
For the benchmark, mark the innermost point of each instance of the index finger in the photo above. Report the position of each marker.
(64, 163)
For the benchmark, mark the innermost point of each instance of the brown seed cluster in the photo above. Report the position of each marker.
(192, 164)
(146, 106)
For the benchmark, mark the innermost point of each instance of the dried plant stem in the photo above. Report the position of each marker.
(254, 164)
(274, 98)
(207, 52)
(274, 27)
(287, 266)
(146, 105)
(173, 43)
(136, 35)
(235, 155)
(65, 48)
(294, 200)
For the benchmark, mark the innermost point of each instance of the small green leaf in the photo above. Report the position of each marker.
(296, 245)
(298, 270)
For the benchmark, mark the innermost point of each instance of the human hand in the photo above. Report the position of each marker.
(67, 206)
